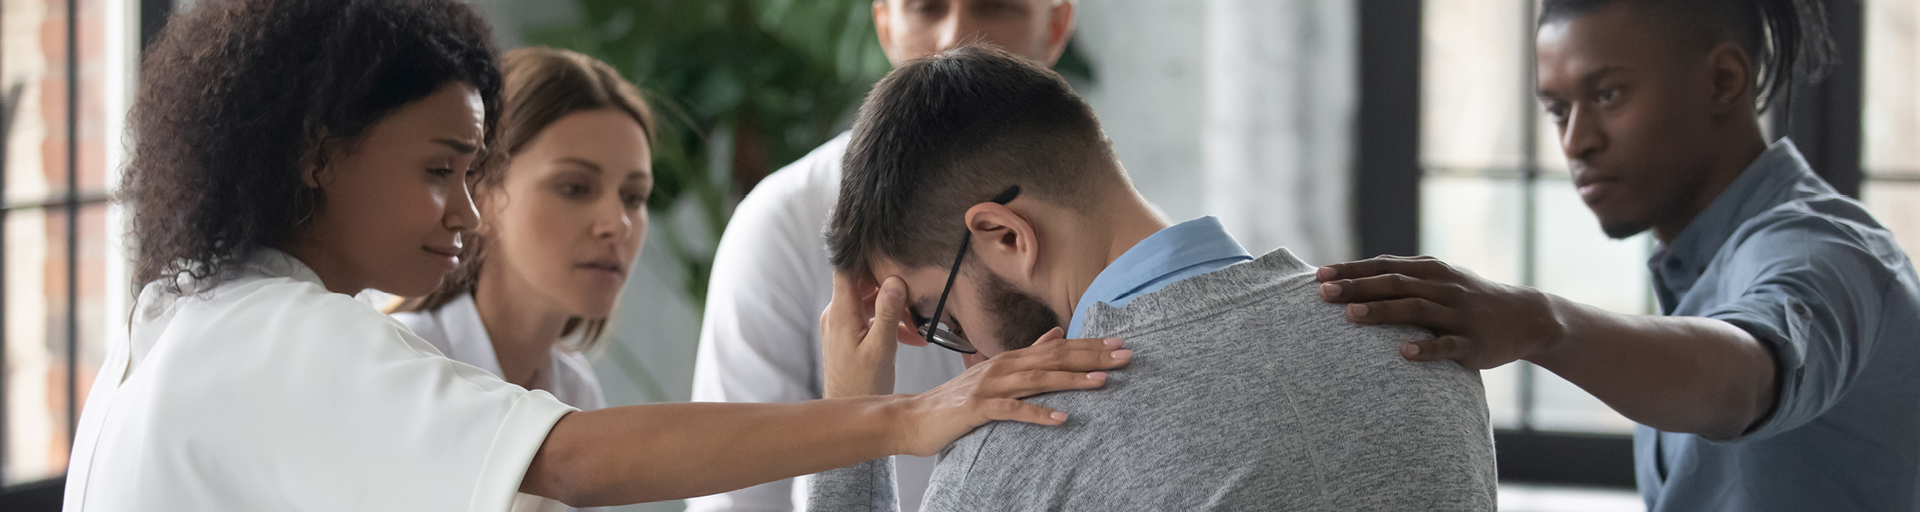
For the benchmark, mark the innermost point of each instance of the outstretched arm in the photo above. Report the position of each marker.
(1677, 374)
(670, 451)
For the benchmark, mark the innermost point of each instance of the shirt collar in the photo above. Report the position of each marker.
(1166, 253)
(467, 334)
(272, 262)
(1769, 181)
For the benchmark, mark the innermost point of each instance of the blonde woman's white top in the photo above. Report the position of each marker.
(270, 393)
(457, 331)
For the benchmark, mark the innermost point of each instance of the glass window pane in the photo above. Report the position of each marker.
(1559, 405)
(1475, 222)
(1890, 116)
(34, 62)
(1577, 261)
(1474, 88)
(36, 291)
(1896, 204)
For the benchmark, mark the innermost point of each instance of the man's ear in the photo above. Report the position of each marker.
(1003, 239)
(1731, 79)
(1059, 30)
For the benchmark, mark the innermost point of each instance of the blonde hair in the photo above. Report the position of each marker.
(542, 86)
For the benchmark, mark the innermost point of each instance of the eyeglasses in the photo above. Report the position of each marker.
(936, 331)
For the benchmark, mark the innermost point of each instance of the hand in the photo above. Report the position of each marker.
(1478, 323)
(991, 390)
(857, 341)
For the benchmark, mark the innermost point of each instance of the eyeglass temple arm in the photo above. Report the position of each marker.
(965, 240)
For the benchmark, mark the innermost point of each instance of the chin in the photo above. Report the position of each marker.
(413, 285)
(593, 306)
(1619, 230)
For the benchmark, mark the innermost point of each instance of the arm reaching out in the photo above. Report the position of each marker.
(670, 451)
(1677, 374)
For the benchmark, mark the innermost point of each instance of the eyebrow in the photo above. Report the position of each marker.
(1586, 81)
(595, 167)
(461, 147)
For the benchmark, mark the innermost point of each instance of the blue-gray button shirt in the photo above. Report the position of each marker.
(1809, 272)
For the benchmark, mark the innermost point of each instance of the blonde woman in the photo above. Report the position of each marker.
(564, 221)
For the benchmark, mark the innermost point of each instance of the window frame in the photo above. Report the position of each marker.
(47, 494)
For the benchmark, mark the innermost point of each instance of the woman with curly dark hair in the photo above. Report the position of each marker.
(292, 153)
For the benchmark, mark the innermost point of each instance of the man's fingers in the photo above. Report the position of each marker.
(1418, 266)
(1389, 287)
(1015, 410)
(1444, 347)
(910, 336)
(889, 305)
(1414, 312)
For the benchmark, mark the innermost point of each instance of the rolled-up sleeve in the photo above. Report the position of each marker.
(1814, 292)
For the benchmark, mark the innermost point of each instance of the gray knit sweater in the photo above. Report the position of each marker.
(1246, 392)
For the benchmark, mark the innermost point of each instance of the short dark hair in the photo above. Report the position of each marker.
(238, 97)
(1784, 37)
(943, 133)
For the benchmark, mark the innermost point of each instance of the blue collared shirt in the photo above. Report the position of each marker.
(1783, 256)
(1178, 252)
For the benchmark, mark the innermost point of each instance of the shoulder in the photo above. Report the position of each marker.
(426, 325)
(286, 315)
(777, 229)
(808, 185)
(1826, 234)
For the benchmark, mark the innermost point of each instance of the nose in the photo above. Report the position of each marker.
(461, 216)
(614, 222)
(1583, 136)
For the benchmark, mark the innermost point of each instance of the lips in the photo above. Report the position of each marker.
(448, 256)
(608, 265)
(1592, 185)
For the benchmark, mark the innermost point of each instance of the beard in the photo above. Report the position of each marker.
(1023, 318)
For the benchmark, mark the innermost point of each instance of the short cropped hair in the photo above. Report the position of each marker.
(1787, 39)
(943, 133)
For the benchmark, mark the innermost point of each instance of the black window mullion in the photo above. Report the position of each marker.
(73, 219)
(1387, 149)
(1823, 118)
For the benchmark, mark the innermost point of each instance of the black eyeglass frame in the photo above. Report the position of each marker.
(931, 329)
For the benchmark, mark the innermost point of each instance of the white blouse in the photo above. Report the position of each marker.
(270, 393)
(457, 331)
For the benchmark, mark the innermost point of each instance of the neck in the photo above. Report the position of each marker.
(334, 274)
(1734, 156)
(522, 333)
(1123, 222)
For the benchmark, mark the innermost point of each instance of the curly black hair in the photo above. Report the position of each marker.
(238, 97)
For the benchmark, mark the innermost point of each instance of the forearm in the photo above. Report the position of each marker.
(1676, 374)
(672, 451)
